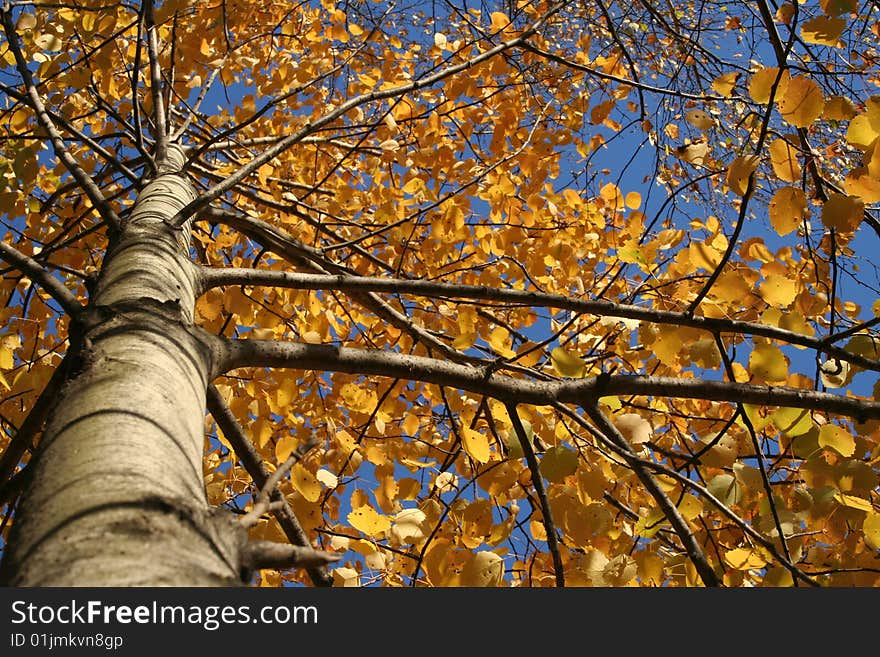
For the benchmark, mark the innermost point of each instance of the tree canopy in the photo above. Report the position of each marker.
(511, 293)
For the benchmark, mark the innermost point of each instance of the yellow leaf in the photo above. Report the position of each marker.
(414, 185)
(4, 383)
(724, 84)
(801, 101)
(567, 364)
(792, 421)
(853, 502)
(633, 200)
(839, 108)
(558, 463)
(346, 577)
(49, 42)
(739, 171)
(860, 183)
(843, 213)
(305, 482)
(612, 196)
(762, 81)
(744, 559)
(768, 362)
(837, 438)
(693, 153)
(699, 119)
(411, 424)
(690, 507)
(366, 519)
(528, 355)
(787, 209)
(861, 133)
(499, 340)
(7, 362)
(838, 7)
(784, 159)
(499, 20)
(778, 290)
(636, 429)
(407, 526)
(475, 444)
(612, 402)
(358, 399)
(483, 569)
(871, 530)
(823, 30)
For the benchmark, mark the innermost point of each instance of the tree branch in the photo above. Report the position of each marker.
(215, 277)
(36, 272)
(538, 483)
(673, 515)
(253, 463)
(486, 381)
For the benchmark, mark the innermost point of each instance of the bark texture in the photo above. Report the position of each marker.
(115, 495)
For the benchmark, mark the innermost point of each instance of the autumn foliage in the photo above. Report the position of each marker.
(530, 294)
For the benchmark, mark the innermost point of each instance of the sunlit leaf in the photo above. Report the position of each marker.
(823, 30)
(305, 482)
(784, 159)
(871, 530)
(567, 364)
(407, 526)
(768, 363)
(725, 84)
(761, 83)
(787, 209)
(484, 568)
(694, 153)
(636, 429)
(793, 421)
(476, 444)
(739, 172)
(842, 212)
(744, 559)
(699, 119)
(801, 101)
(853, 502)
(837, 438)
(366, 519)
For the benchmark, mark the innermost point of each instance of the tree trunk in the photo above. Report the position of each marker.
(115, 493)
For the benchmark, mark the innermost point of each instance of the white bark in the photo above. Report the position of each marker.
(115, 495)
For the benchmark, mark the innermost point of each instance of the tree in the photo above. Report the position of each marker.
(531, 293)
